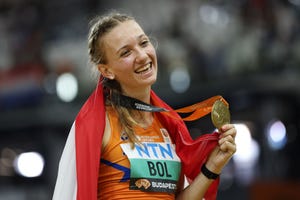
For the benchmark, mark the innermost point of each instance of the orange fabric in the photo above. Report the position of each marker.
(200, 109)
(113, 183)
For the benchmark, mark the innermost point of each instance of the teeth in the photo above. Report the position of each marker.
(145, 68)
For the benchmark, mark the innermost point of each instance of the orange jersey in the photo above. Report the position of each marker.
(117, 179)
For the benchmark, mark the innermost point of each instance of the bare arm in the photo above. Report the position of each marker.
(218, 158)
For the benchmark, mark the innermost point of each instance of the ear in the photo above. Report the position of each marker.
(105, 71)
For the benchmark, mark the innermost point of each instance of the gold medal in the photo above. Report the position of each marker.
(220, 114)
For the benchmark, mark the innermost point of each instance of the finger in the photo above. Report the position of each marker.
(228, 138)
(227, 127)
(228, 147)
(231, 131)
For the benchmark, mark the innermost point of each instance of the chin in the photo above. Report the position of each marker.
(150, 82)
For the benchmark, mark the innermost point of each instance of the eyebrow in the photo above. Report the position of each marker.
(125, 46)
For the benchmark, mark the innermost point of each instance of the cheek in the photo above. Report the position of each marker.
(152, 53)
(123, 66)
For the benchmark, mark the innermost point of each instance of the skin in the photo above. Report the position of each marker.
(128, 51)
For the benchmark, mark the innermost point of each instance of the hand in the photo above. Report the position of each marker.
(225, 149)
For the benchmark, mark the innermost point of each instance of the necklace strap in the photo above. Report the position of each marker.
(196, 111)
(132, 103)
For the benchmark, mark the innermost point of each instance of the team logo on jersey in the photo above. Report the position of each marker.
(164, 132)
(165, 135)
(143, 183)
(124, 136)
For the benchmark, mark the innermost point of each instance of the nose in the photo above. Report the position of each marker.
(141, 55)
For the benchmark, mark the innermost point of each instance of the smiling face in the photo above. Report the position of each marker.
(130, 58)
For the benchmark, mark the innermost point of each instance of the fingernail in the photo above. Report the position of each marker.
(223, 127)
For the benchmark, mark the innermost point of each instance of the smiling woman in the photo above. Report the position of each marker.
(122, 145)
(131, 59)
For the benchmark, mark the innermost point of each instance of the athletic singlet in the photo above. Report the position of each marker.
(117, 179)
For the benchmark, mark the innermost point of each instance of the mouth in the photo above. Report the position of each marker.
(144, 69)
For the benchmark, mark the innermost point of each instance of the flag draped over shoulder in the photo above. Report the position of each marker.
(79, 165)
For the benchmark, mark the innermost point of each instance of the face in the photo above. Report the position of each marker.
(130, 56)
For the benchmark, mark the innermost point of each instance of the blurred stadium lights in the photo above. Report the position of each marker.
(29, 164)
(26, 164)
(247, 154)
(67, 87)
(276, 135)
(213, 15)
(180, 80)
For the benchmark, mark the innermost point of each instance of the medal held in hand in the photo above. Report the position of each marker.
(220, 114)
(216, 105)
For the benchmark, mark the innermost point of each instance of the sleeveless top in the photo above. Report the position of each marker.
(147, 171)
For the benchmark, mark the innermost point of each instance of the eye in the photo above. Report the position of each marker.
(145, 42)
(125, 53)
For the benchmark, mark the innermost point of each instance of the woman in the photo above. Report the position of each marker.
(120, 146)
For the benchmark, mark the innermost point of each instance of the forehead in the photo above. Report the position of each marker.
(122, 34)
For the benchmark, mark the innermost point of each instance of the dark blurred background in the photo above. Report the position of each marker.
(248, 51)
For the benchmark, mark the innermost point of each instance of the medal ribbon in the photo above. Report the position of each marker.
(200, 109)
(197, 110)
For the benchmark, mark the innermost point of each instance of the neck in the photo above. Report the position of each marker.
(145, 119)
(142, 95)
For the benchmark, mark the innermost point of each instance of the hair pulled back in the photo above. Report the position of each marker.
(100, 26)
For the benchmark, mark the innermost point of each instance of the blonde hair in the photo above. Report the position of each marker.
(100, 26)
